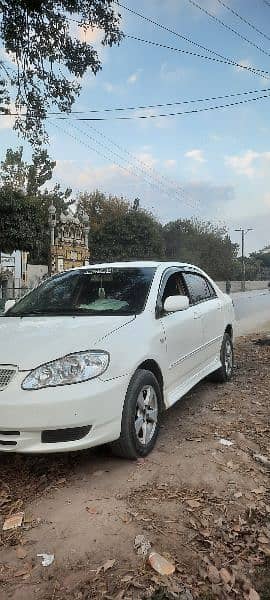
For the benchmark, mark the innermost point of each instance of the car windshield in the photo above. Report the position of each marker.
(92, 291)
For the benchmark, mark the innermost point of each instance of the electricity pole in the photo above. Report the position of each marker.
(243, 234)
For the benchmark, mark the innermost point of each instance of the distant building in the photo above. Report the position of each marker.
(69, 241)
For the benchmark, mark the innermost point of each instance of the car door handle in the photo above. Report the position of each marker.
(197, 315)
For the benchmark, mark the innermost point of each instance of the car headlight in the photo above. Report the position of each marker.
(73, 368)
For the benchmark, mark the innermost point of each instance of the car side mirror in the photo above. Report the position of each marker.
(176, 303)
(8, 305)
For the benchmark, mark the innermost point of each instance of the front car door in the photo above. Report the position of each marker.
(183, 335)
(203, 298)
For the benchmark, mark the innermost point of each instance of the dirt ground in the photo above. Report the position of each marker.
(203, 505)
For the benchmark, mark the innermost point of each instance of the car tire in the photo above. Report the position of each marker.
(225, 372)
(140, 417)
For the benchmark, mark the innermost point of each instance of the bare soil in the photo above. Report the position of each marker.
(203, 505)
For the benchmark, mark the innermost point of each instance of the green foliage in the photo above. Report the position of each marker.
(101, 208)
(16, 174)
(202, 244)
(4, 97)
(24, 206)
(50, 54)
(117, 232)
(20, 223)
(263, 256)
(252, 269)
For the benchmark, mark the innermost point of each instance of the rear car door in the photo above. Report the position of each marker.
(203, 298)
(182, 331)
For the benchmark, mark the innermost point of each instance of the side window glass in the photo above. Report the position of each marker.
(174, 287)
(211, 289)
(198, 288)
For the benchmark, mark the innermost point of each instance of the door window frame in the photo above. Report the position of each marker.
(212, 291)
(159, 312)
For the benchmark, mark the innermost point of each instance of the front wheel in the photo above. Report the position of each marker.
(225, 372)
(140, 417)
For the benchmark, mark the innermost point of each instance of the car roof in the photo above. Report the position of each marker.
(137, 264)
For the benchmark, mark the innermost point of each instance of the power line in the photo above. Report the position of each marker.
(129, 170)
(254, 70)
(185, 112)
(165, 28)
(147, 106)
(185, 38)
(159, 176)
(242, 37)
(144, 169)
(243, 19)
(224, 59)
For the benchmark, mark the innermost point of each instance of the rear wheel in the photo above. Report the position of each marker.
(225, 372)
(140, 417)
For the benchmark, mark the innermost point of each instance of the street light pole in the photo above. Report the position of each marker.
(52, 223)
(243, 234)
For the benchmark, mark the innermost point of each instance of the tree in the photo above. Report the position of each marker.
(201, 243)
(252, 269)
(13, 170)
(117, 231)
(49, 59)
(4, 98)
(16, 174)
(101, 208)
(263, 256)
(21, 192)
(20, 221)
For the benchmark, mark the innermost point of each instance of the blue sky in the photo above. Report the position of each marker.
(214, 165)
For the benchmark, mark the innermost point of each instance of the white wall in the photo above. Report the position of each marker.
(250, 285)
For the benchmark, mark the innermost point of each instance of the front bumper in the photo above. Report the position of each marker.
(24, 415)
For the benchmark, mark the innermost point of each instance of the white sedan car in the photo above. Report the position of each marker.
(93, 355)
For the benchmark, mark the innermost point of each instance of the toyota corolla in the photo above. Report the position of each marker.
(94, 355)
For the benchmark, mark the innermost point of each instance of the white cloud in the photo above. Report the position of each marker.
(249, 163)
(113, 88)
(147, 159)
(266, 198)
(146, 118)
(245, 62)
(169, 163)
(90, 35)
(133, 78)
(94, 37)
(196, 155)
(173, 75)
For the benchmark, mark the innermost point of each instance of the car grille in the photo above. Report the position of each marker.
(6, 375)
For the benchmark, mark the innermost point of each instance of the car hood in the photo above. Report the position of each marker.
(30, 341)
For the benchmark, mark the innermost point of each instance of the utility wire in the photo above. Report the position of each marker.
(253, 70)
(127, 169)
(176, 33)
(224, 59)
(172, 184)
(242, 37)
(243, 19)
(185, 112)
(144, 169)
(147, 106)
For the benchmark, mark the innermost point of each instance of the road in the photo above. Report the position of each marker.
(252, 311)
